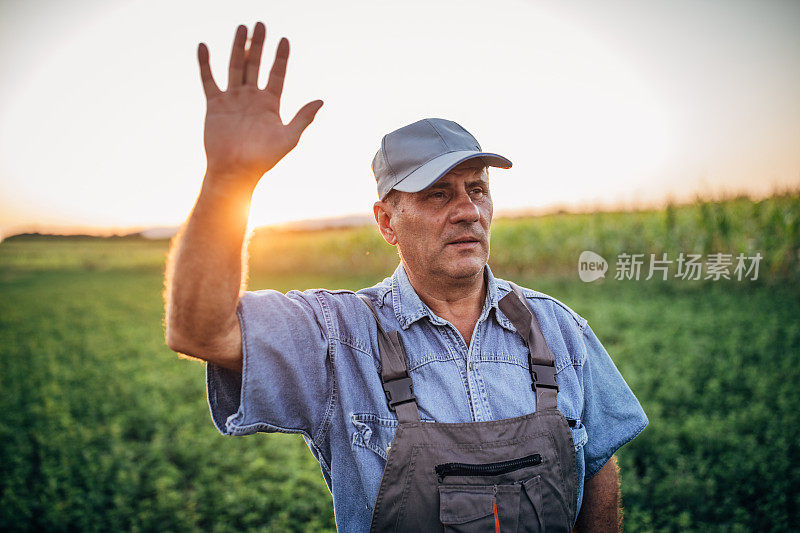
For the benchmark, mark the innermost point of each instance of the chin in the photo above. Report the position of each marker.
(467, 268)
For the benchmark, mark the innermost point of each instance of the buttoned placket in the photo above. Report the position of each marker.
(471, 373)
(476, 390)
(474, 381)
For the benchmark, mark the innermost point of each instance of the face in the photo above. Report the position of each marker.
(442, 231)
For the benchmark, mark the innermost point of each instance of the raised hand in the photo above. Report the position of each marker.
(244, 136)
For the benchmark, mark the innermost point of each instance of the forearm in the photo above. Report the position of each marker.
(244, 137)
(205, 273)
(601, 508)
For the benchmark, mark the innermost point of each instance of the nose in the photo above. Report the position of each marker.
(464, 209)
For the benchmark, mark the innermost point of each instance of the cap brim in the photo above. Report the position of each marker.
(427, 174)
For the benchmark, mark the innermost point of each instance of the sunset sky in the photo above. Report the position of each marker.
(597, 103)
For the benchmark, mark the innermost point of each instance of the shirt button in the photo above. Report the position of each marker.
(471, 365)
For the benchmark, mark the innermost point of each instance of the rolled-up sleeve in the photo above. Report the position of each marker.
(286, 381)
(611, 413)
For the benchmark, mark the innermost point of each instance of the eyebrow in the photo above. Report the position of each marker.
(446, 185)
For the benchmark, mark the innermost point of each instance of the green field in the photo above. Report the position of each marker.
(103, 428)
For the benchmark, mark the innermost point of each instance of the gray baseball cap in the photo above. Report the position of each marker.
(413, 157)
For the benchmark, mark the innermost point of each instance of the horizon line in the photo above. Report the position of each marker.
(341, 221)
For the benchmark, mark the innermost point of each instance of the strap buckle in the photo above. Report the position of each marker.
(399, 391)
(543, 376)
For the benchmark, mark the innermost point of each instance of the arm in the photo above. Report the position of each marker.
(613, 417)
(601, 510)
(244, 138)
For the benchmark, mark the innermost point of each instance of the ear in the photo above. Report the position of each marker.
(383, 216)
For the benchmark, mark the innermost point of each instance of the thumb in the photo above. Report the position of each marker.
(303, 118)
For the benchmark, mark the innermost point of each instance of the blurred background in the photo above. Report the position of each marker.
(661, 128)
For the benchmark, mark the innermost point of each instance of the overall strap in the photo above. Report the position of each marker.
(540, 358)
(397, 384)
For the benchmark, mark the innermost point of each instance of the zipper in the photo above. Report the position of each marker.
(488, 469)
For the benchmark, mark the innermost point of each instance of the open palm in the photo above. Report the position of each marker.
(244, 136)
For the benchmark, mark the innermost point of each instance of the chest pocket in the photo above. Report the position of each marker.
(373, 433)
(370, 440)
(520, 495)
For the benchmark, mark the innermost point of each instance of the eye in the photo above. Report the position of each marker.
(437, 195)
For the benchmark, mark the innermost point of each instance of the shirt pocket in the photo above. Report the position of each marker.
(370, 441)
(372, 432)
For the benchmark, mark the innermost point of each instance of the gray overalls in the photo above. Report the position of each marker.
(509, 475)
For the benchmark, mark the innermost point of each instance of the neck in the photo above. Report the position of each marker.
(454, 300)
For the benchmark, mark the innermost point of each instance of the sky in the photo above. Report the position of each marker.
(598, 104)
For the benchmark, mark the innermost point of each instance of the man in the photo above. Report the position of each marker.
(440, 396)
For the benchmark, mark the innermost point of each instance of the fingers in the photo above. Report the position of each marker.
(209, 85)
(278, 72)
(254, 55)
(303, 118)
(236, 66)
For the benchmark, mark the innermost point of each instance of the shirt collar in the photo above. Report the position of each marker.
(408, 307)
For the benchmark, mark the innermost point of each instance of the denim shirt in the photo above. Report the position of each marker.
(311, 366)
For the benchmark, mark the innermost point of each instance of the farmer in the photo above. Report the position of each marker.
(440, 397)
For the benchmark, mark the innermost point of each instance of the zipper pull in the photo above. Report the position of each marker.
(496, 516)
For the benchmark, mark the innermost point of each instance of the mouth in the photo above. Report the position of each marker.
(464, 242)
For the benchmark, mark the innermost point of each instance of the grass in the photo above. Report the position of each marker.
(103, 428)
